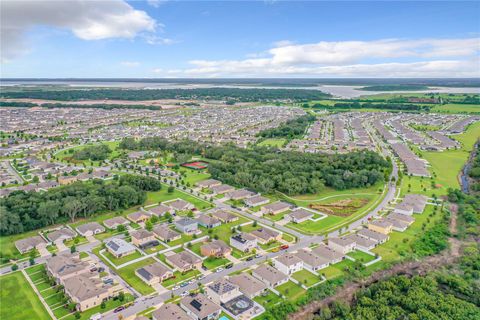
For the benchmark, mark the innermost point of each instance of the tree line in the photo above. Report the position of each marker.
(291, 129)
(94, 153)
(244, 95)
(23, 211)
(268, 170)
(369, 105)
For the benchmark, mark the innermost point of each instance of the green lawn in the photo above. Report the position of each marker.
(7, 245)
(331, 272)
(65, 155)
(272, 143)
(109, 305)
(163, 195)
(18, 300)
(268, 300)
(290, 290)
(213, 263)
(193, 176)
(445, 166)
(306, 278)
(361, 256)
(180, 277)
(122, 260)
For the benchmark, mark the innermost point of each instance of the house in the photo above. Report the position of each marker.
(239, 194)
(113, 223)
(61, 234)
(64, 180)
(187, 225)
(221, 291)
(222, 189)
(89, 229)
(361, 242)
(225, 216)
(243, 242)
(179, 205)
(300, 215)
(159, 210)
(216, 248)
(141, 237)
(119, 247)
(397, 225)
(64, 266)
(265, 235)
(27, 244)
(209, 183)
(154, 273)
(270, 276)
(248, 285)
(208, 222)
(165, 233)
(184, 261)
(381, 225)
(276, 208)
(139, 216)
(288, 263)
(87, 291)
(342, 244)
(403, 208)
(255, 201)
(170, 311)
(328, 253)
(199, 307)
(311, 261)
(372, 235)
(402, 217)
(417, 201)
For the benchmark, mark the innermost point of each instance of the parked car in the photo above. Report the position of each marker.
(118, 309)
(228, 266)
(258, 255)
(284, 247)
(184, 294)
(249, 258)
(219, 269)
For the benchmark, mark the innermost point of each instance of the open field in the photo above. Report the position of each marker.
(19, 301)
(66, 154)
(445, 166)
(306, 278)
(272, 143)
(268, 300)
(164, 195)
(290, 290)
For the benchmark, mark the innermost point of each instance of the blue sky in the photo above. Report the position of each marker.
(240, 39)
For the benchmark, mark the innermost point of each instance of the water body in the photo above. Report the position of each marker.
(340, 91)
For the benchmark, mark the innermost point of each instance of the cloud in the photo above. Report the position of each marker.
(378, 58)
(156, 3)
(87, 20)
(156, 40)
(130, 63)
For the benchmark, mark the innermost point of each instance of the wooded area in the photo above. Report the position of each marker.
(24, 211)
(268, 170)
(291, 129)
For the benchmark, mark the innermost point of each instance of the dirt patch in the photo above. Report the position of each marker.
(341, 208)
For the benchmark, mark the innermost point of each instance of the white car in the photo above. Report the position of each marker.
(184, 294)
(219, 270)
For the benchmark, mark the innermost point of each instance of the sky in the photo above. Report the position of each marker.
(239, 39)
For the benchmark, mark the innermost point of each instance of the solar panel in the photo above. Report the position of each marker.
(196, 304)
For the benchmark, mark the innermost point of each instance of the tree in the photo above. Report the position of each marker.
(170, 189)
(149, 225)
(73, 249)
(14, 267)
(103, 305)
(121, 296)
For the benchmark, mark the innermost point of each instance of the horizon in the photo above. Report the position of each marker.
(262, 40)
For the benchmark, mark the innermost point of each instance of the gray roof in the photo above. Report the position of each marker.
(119, 246)
(270, 274)
(62, 233)
(170, 311)
(186, 222)
(153, 270)
(248, 285)
(200, 305)
(116, 221)
(91, 226)
(29, 243)
(222, 286)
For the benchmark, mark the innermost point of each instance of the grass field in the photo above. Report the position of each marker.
(290, 290)
(445, 166)
(163, 195)
(456, 108)
(66, 154)
(272, 143)
(306, 278)
(268, 300)
(18, 300)
(361, 256)
(122, 260)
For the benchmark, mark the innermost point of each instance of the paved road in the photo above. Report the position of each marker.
(144, 302)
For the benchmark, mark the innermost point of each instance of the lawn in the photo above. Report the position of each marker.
(290, 290)
(272, 143)
(66, 154)
(164, 195)
(18, 300)
(456, 108)
(306, 278)
(268, 300)
(122, 260)
(128, 273)
(193, 176)
(361, 256)
(445, 166)
(180, 277)
(331, 272)
(213, 263)
(7, 245)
